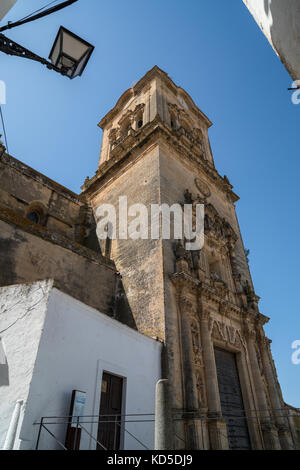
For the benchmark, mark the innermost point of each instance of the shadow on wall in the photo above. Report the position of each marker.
(284, 17)
(4, 372)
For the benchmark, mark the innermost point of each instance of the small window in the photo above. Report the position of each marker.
(140, 123)
(36, 213)
(34, 217)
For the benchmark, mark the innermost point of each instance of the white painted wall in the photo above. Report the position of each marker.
(5, 6)
(77, 343)
(22, 314)
(280, 22)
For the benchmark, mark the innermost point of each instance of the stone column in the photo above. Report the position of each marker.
(277, 405)
(217, 427)
(163, 418)
(270, 435)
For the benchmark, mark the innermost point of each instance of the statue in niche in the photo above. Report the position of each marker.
(200, 388)
(196, 342)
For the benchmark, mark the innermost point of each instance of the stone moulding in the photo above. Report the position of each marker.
(27, 170)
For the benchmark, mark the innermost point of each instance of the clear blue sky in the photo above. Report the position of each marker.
(213, 49)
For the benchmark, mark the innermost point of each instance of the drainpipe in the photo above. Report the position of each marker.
(13, 426)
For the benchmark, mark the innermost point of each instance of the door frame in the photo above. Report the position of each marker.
(112, 369)
(248, 392)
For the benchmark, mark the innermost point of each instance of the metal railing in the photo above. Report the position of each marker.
(122, 425)
(80, 423)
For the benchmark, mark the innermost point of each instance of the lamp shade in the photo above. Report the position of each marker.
(70, 53)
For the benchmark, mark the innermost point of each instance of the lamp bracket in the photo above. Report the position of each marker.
(10, 47)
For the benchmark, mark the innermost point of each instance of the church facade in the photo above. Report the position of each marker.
(222, 382)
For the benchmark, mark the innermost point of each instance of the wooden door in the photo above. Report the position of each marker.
(109, 430)
(232, 400)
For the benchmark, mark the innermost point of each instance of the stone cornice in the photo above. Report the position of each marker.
(12, 218)
(39, 177)
(145, 136)
(256, 318)
(183, 279)
(205, 292)
(131, 92)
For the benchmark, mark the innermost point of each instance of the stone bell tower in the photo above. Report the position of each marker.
(222, 379)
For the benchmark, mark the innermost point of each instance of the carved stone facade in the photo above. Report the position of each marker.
(224, 391)
(155, 146)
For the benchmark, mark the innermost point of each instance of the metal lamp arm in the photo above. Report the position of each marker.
(12, 48)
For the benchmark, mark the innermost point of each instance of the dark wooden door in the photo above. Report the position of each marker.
(109, 429)
(232, 400)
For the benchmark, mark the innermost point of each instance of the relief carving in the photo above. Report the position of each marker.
(227, 333)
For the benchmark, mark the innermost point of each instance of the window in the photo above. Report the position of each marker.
(34, 217)
(140, 123)
(36, 213)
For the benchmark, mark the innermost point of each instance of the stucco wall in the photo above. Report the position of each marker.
(280, 22)
(5, 6)
(76, 344)
(22, 314)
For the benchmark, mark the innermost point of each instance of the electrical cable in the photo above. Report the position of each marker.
(37, 11)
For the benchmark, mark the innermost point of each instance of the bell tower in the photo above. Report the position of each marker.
(223, 385)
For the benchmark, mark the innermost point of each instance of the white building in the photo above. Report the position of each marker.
(52, 344)
(5, 6)
(279, 20)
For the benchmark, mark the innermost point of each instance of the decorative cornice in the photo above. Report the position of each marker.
(155, 128)
(183, 279)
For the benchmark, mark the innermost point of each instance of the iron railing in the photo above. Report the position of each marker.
(89, 425)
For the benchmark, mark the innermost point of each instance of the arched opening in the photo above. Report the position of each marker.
(34, 217)
(36, 213)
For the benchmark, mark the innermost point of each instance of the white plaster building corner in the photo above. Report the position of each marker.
(22, 312)
(280, 22)
(60, 345)
(5, 6)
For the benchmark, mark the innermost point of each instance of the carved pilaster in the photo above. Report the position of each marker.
(190, 349)
(273, 387)
(270, 435)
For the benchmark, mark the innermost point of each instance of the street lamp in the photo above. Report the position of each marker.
(70, 54)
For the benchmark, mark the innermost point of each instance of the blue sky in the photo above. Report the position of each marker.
(214, 50)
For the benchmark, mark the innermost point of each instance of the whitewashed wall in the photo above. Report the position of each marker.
(22, 314)
(280, 22)
(5, 6)
(76, 344)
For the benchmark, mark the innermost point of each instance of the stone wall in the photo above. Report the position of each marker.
(27, 256)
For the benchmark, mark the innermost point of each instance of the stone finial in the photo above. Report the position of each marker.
(86, 182)
(2, 147)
